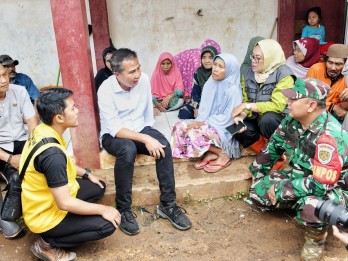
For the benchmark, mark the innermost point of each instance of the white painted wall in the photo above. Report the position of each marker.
(151, 27)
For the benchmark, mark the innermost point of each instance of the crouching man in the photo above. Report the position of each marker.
(318, 162)
(56, 205)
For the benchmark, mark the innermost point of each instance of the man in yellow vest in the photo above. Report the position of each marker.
(56, 204)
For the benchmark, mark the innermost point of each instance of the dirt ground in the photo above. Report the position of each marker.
(223, 229)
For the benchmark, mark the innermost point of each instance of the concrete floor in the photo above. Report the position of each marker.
(164, 123)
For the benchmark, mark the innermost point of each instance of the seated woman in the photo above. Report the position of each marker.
(105, 72)
(207, 135)
(306, 53)
(190, 110)
(166, 84)
(264, 105)
(247, 62)
(188, 62)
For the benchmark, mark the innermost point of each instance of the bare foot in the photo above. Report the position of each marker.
(209, 156)
(220, 163)
(221, 160)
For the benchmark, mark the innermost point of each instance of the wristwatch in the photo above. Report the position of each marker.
(248, 106)
(86, 175)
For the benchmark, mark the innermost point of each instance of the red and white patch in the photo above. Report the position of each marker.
(326, 165)
(325, 152)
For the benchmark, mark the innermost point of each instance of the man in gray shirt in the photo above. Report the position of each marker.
(15, 110)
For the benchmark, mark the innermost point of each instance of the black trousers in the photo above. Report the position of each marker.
(125, 151)
(77, 229)
(265, 126)
(7, 170)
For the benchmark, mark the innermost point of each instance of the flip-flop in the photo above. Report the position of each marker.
(220, 167)
(205, 162)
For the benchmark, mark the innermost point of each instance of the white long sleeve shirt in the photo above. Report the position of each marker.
(125, 109)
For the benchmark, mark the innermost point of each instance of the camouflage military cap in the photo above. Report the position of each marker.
(307, 88)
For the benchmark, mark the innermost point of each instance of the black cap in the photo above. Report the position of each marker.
(6, 60)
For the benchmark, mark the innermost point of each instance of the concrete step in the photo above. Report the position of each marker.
(107, 161)
(191, 184)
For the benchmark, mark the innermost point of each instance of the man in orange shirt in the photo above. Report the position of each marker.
(330, 72)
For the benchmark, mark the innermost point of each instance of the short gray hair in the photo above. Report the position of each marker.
(119, 56)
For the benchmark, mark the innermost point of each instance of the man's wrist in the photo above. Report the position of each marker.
(8, 162)
(86, 174)
(248, 106)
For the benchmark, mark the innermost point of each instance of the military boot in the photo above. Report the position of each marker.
(8, 229)
(314, 245)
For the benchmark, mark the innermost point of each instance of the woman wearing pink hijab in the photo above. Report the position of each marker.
(166, 84)
(306, 53)
(189, 61)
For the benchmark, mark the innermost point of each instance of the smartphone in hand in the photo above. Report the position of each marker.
(235, 127)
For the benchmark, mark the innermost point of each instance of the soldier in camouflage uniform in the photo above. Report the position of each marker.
(317, 146)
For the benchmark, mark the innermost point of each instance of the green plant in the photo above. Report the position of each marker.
(187, 197)
(238, 196)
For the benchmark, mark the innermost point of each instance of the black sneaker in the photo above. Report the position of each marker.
(176, 216)
(129, 224)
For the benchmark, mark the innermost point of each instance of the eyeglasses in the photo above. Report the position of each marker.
(255, 59)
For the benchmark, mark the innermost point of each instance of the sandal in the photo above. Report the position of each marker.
(208, 168)
(199, 165)
(208, 157)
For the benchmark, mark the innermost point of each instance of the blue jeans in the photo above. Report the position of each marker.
(125, 151)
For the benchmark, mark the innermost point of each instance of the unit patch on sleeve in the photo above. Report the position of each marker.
(326, 165)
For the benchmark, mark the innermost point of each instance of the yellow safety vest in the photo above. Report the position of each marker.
(40, 211)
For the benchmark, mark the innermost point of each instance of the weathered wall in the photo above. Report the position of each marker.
(147, 26)
(151, 27)
(27, 35)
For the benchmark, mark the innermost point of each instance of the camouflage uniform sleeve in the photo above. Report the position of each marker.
(343, 147)
(288, 190)
(270, 154)
(343, 181)
(327, 172)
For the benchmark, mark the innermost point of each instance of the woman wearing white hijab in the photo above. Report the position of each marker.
(264, 105)
(207, 135)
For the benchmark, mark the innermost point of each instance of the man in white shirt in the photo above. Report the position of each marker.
(126, 117)
(15, 110)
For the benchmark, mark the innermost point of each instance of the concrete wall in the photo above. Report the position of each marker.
(27, 35)
(151, 27)
(147, 26)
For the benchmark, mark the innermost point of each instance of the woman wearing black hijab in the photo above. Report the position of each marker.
(105, 72)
